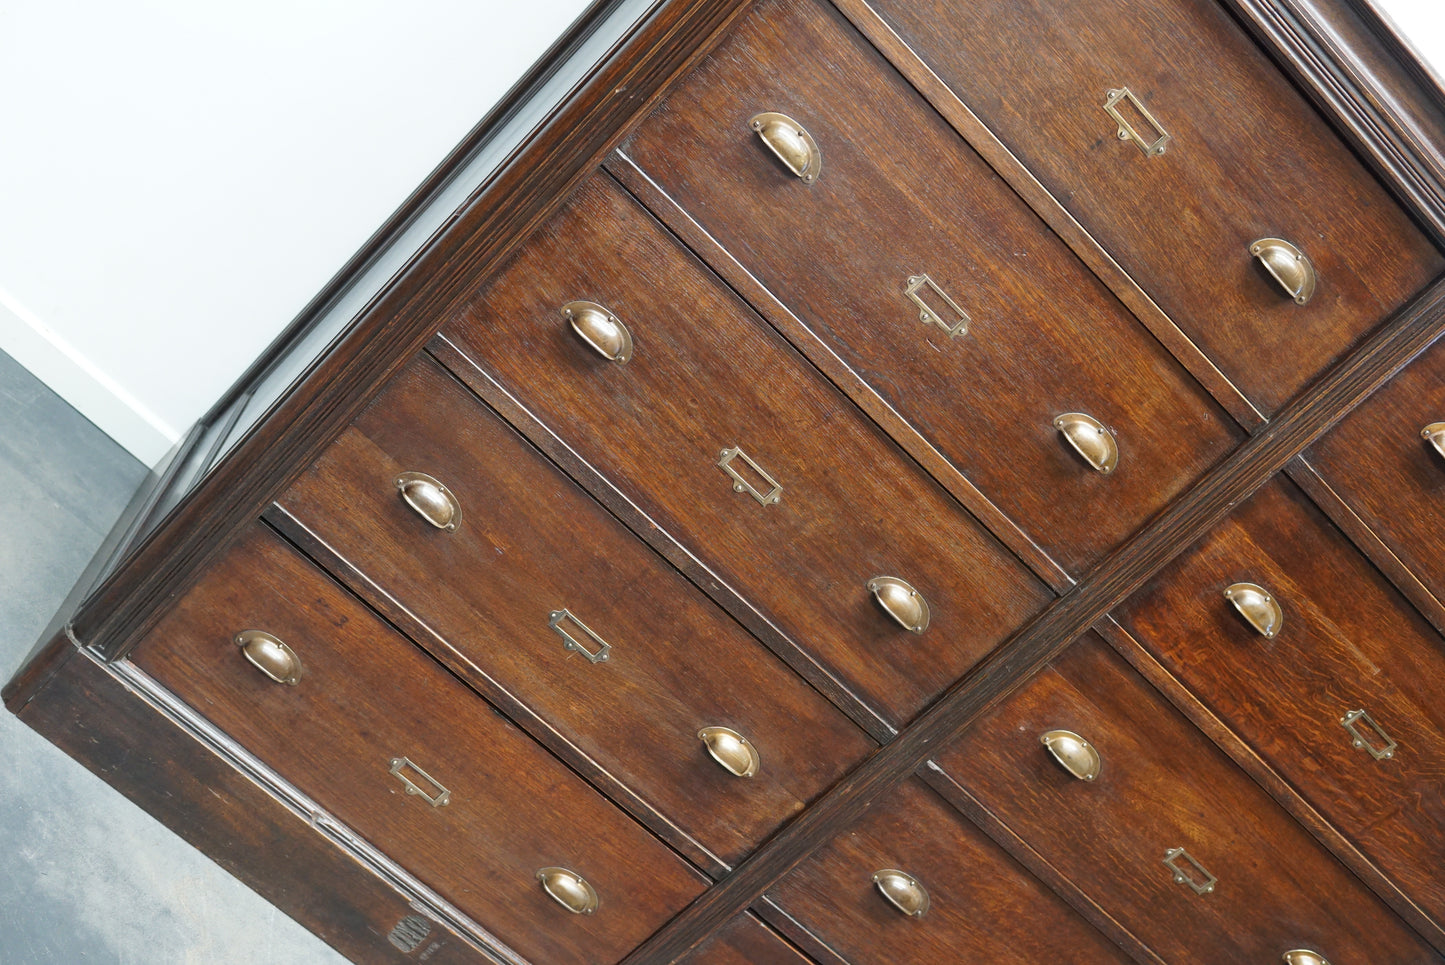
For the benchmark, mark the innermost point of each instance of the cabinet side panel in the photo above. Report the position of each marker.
(180, 783)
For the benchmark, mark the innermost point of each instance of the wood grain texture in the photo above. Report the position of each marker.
(1284, 793)
(984, 907)
(1380, 466)
(228, 817)
(1162, 785)
(605, 491)
(1367, 81)
(1084, 245)
(651, 196)
(1186, 520)
(394, 326)
(1249, 159)
(368, 697)
(707, 375)
(1040, 867)
(746, 941)
(301, 431)
(1348, 641)
(1366, 540)
(1045, 336)
(816, 949)
(529, 544)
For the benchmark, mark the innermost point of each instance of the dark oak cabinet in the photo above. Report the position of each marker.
(865, 481)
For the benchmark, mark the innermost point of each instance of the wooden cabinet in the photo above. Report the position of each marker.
(837, 495)
(1171, 839)
(1242, 158)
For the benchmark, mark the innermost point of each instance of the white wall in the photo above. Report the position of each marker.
(179, 177)
(1423, 24)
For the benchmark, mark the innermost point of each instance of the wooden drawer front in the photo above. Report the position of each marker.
(707, 375)
(530, 544)
(1247, 159)
(1391, 475)
(745, 941)
(901, 195)
(1161, 785)
(982, 907)
(367, 697)
(1348, 642)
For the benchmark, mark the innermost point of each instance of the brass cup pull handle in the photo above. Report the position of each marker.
(431, 500)
(603, 331)
(270, 656)
(791, 143)
(1303, 956)
(902, 891)
(1074, 754)
(1091, 439)
(1434, 434)
(901, 601)
(1258, 606)
(732, 750)
(569, 889)
(1288, 266)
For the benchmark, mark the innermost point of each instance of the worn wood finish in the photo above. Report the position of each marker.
(529, 544)
(1049, 208)
(672, 512)
(233, 821)
(366, 697)
(1284, 793)
(707, 374)
(1367, 81)
(788, 926)
(1348, 642)
(501, 401)
(1107, 585)
(746, 941)
(1162, 786)
(1366, 540)
(651, 196)
(983, 906)
(1248, 159)
(1045, 337)
(426, 193)
(1040, 867)
(1378, 463)
(528, 186)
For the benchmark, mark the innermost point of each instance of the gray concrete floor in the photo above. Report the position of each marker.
(86, 876)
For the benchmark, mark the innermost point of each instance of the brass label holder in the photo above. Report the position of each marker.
(1127, 131)
(765, 497)
(1379, 751)
(557, 618)
(928, 314)
(1196, 877)
(437, 797)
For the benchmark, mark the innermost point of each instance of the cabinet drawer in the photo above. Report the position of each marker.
(1247, 159)
(1347, 643)
(665, 663)
(370, 710)
(900, 196)
(708, 382)
(745, 941)
(1160, 785)
(981, 905)
(1380, 461)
